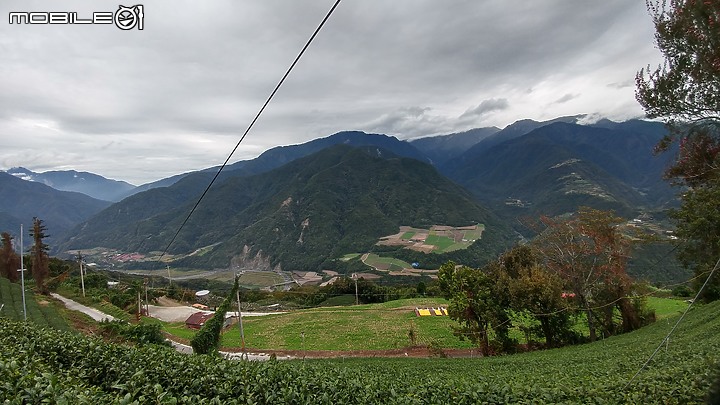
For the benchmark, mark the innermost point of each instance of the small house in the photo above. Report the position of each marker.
(198, 319)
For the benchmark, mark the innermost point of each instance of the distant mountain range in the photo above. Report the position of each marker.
(339, 200)
(89, 184)
(60, 210)
(557, 167)
(299, 206)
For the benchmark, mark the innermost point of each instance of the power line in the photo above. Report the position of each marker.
(666, 338)
(277, 87)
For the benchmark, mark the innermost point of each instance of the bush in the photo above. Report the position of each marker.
(682, 291)
(141, 334)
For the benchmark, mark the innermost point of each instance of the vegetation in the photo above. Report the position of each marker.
(576, 265)
(9, 260)
(207, 340)
(47, 366)
(141, 334)
(302, 215)
(589, 252)
(685, 93)
(39, 311)
(39, 254)
(381, 326)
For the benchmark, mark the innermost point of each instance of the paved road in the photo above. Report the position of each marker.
(99, 316)
(76, 306)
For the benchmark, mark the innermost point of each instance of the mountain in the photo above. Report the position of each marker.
(512, 131)
(559, 166)
(166, 182)
(442, 148)
(336, 201)
(60, 210)
(278, 156)
(89, 184)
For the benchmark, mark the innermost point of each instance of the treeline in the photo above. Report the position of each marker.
(38, 265)
(575, 269)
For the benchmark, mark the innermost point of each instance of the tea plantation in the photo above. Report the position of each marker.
(42, 365)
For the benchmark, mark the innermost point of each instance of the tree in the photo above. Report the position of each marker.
(9, 260)
(474, 303)
(685, 93)
(38, 252)
(687, 86)
(207, 339)
(698, 222)
(534, 292)
(589, 252)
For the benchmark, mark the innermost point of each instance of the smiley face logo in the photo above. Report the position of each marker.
(127, 18)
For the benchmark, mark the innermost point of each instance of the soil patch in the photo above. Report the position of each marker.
(415, 352)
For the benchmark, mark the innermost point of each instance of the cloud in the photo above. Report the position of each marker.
(486, 106)
(565, 98)
(177, 95)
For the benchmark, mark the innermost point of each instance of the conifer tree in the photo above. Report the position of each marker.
(40, 259)
(9, 260)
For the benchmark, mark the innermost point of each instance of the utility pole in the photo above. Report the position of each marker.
(354, 277)
(242, 332)
(82, 276)
(168, 269)
(22, 273)
(147, 304)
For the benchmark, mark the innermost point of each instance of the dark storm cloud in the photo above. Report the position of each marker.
(177, 95)
(486, 106)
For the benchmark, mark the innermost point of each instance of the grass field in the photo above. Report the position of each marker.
(349, 256)
(441, 242)
(260, 279)
(386, 263)
(408, 235)
(363, 327)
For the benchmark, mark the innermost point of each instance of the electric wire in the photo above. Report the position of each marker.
(667, 337)
(252, 123)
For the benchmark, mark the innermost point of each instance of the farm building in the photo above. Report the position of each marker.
(198, 319)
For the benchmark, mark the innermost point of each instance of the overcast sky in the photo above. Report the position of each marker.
(175, 97)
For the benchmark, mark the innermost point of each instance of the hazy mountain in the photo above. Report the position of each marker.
(442, 148)
(60, 210)
(560, 166)
(166, 182)
(89, 184)
(339, 200)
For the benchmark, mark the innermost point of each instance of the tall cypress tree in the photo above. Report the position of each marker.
(40, 259)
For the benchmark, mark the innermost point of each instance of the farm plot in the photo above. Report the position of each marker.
(260, 279)
(385, 263)
(437, 239)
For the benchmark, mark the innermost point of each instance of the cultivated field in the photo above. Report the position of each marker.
(437, 239)
(47, 366)
(39, 309)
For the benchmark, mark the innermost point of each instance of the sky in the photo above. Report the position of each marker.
(141, 105)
